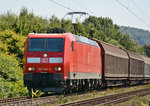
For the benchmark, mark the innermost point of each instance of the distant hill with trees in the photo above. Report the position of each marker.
(139, 35)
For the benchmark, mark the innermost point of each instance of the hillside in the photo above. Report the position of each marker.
(140, 35)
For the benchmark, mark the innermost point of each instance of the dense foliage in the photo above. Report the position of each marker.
(15, 28)
(12, 44)
(147, 50)
(11, 77)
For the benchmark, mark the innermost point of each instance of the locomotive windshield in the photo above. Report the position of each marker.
(46, 44)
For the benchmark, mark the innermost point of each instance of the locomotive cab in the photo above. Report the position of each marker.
(44, 61)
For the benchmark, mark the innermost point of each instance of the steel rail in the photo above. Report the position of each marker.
(110, 99)
(13, 99)
(28, 102)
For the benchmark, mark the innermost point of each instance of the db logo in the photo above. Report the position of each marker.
(44, 60)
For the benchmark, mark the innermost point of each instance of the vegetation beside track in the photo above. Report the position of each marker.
(136, 101)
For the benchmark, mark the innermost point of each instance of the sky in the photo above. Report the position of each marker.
(132, 13)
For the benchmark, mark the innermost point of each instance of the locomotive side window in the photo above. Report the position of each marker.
(85, 40)
(36, 44)
(55, 44)
(72, 47)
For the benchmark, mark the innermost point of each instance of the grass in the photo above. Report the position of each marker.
(75, 97)
(137, 101)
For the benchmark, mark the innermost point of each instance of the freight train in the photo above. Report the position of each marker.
(68, 62)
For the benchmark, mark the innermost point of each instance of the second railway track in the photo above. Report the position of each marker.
(110, 99)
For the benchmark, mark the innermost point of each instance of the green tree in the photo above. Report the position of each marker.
(12, 44)
(147, 50)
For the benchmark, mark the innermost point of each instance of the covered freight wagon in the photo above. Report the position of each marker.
(136, 66)
(115, 62)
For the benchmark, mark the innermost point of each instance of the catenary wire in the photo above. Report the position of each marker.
(62, 5)
(140, 9)
(132, 13)
(84, 6)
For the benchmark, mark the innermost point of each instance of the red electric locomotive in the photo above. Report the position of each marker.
(61, 62)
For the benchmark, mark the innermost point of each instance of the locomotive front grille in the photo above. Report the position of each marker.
(43, 80)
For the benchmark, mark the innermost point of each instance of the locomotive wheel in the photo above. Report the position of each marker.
(64, 92)
(75, 90)
(67, 90)
(70, 91)
(80, 88)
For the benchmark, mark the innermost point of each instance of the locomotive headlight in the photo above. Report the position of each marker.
(57, 68)
(45, 55)
(31, 68)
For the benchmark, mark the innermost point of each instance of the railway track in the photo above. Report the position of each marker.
(25, 101)
(3, 101)
(109, 99)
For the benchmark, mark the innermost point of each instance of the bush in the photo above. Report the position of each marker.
(11, 78)
(12, 44)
